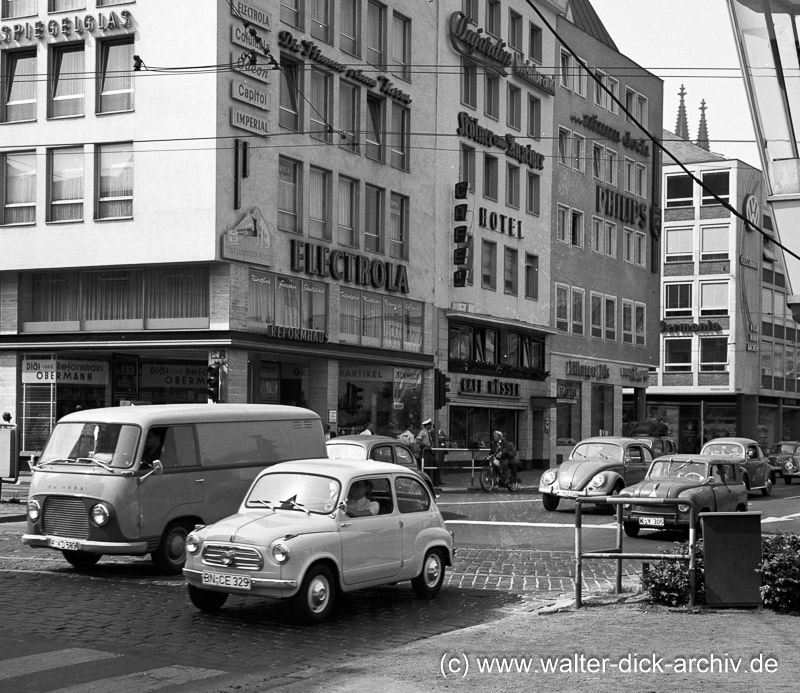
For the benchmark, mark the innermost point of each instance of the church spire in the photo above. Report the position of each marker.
(702, 130)
(682, 125)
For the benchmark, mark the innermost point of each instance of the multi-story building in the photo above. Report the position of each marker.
(728, 343)
(272, 187)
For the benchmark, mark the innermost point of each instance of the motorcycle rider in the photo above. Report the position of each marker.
(505, 452)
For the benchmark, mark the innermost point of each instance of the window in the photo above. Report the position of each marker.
(19, 86)
(578, 298)
(514, 107)
(66, 184)
(290, 12)
(373, 219)
(470, 9)
(376, 34)
(627, 245)
(597, 234)
(562, 307)
(493, 11)
(375, 127)
(714, 242)
(490, 177)
(319, 203)
(489, 265)
(565, 70)
(466, 166)
(599, 91)
(578, 151)
(714, 354)
(398, 229)
(678, 246)
(579, 78)
(288, 195)
(289, 117)
(512, 186)
(677, 355)
(349, 114)
(713, 298)
(627, 321)
(611, 167)
(610, 309)
(319, 19)
(678, 300)
(563, 146)
(611, 103)
(510, 271)
(629, 171)
(562, 216)
(680, 191)
(534, 117)
(641, 110)
(320, 104)
(18, 8)
(114, 181)
(640, 257)
(492, 96)
(66, 81)
(399, 137)
(640, 188)
(717, 183)
(515, 31)
(350, 26)
(596, 317)
(115, 83)
(348, 212)
(401, 47)
(531, 276)
(64, 5)
(469, 84)
(535, 42)
(533, 193)
(18, 187)
(597, 161)
(610, 239)
(640, 311)
(576, 228)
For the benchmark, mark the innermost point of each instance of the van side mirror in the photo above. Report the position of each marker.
(158, 468)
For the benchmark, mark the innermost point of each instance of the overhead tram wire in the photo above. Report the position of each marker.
(656, 142)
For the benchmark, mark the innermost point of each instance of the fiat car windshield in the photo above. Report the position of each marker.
(291, 491)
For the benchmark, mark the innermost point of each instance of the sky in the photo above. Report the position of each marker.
(690, 43)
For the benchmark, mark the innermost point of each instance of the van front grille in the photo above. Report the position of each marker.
(230, 556)
(65, 517)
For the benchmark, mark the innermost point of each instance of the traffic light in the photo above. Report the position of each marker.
(213, 381)
(441, 389)
(353, 398)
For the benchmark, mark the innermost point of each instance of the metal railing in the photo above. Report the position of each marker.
(473, 453)
(616, 553)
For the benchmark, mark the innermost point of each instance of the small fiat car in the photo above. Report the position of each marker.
(712, 483)
(600, 466)
(757, 473)
(310, 529)
(784, 458)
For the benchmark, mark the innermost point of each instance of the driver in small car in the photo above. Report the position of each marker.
(358, 505)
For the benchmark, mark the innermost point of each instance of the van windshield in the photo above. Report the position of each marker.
(111, 446)
(295, 491)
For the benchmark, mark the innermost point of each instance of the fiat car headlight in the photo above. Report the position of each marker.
(100, 514)
(34, 510)
(192, 543)
(549, 477)
(280, 552)
(598, 480)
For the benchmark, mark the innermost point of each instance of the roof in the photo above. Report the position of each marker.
(685, 151)
(165, 414)
(344, 466)
(358, 438)
(583, 15)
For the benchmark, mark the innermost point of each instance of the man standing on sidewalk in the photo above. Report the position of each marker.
(425, 453)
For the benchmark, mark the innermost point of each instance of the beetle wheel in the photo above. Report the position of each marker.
(550, 502)
(767, 490)
(631, 529)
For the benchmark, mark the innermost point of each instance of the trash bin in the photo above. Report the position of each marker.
(732, 554)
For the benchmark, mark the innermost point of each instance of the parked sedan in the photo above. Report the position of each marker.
(712, 483)
(784, 458)
(378, 448)
(310, 529)
(596, 467)
(756, 470)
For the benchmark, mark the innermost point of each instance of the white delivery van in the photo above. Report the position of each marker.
(136, 480)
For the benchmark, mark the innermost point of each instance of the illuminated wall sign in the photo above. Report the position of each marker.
(298, 334)
(593, 123)
(499, 222)
(619, 206)
(708, 326)
(319, 260)
(488, 386)
(638, 375)
(66, 26)
(468, 127)
(241, 63)
(468, 40)
(527, 71)
(599, 372)
(251, 13)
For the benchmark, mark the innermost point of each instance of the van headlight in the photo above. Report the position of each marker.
(100, 514)
(192, 543)
(280, 552)
(597, 481)
(34, 510)
(549, 477)
(683, 507)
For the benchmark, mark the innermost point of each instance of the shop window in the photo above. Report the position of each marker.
(375, 320)
(18, 188)
(677, 355)
(114, 78)
(568, 413)
(602, 407)
(19, 86)
(371, 319)
(66, 81)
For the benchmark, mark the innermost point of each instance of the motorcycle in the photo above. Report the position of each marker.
(491, 476)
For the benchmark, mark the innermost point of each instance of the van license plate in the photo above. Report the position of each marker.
(237, 582)
(651, 521)
(64, 544)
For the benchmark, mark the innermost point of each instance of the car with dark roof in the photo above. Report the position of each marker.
(784, 458)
